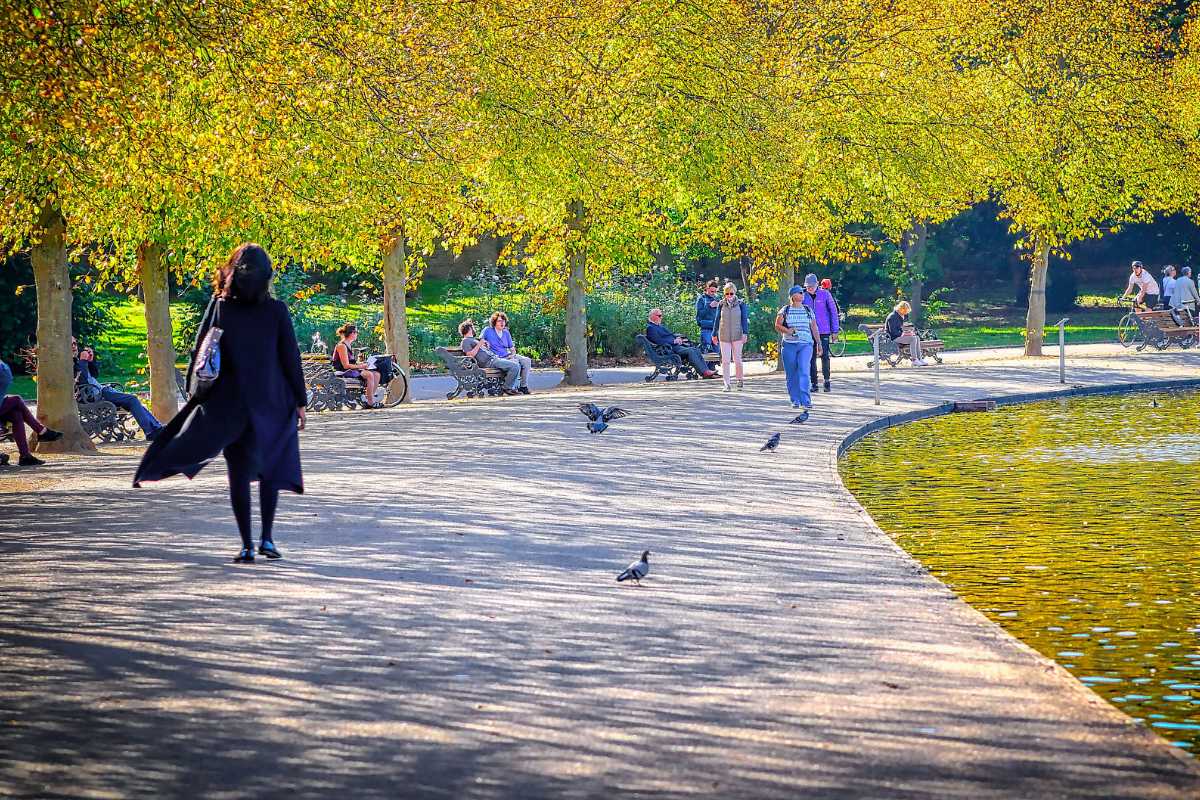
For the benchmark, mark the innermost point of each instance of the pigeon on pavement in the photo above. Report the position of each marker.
(771, 444)
(802, 418)
(600, 418)
(637, 570)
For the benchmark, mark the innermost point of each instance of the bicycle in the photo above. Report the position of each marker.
(1128, 331)
(838, 346)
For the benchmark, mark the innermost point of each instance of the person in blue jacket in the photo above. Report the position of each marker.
(657, 333)
(706, 315)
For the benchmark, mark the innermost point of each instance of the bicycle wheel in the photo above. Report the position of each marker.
(397, 390)
(838, 347)
(1127, 330)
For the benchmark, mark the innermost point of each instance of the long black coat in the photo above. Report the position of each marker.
(252, 405)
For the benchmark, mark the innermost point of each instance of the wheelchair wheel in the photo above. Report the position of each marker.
(396, 391)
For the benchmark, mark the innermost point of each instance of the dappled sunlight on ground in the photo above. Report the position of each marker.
(446, 620)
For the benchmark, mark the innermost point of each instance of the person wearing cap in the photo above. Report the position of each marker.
(1168, 285)
(1185, 298)
(658, 334)
(800, 335)
(824, 309)
(706, 314)
(1147, 287)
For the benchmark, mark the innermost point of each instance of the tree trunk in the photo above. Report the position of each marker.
(395, 306)
(56, 407)
(787, 279)
(160, 345)
(663, 256)
(576, 372)
(1035, 320)
(912, 246)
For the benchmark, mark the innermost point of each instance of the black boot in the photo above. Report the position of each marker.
(827, 386)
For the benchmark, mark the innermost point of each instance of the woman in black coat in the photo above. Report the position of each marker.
(255, 407)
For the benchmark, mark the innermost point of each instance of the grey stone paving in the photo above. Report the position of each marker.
(446, 622)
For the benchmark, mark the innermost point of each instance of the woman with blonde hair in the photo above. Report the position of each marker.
(731, 330)
(896, 332)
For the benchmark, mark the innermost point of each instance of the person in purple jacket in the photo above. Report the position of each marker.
(825, 309)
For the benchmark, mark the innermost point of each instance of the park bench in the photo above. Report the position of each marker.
(101, 419)
(893, 353)
(1160, 329)
(473, 380)
(671, 364)
(326, 390)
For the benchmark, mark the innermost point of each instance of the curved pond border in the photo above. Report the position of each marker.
(947, 407)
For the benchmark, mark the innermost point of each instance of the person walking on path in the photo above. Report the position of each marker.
(499, 341)
(706, 315)
(800, 335)
(730, 332)
(1168, 285)
(825, 309)
(895, 331)
(1186, 297)
(256, 406)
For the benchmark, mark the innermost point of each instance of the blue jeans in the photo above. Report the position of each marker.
(692, 354)
(796, 358)
(130, 403)
(5, 379)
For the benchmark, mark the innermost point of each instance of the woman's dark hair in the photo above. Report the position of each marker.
(465, 326)
(246, 278)
(347, 329)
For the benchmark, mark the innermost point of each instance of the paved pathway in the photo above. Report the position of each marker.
(446, 623)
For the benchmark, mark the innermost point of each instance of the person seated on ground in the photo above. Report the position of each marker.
(1146, 286)
(1185, 299)
(499, 340)
(896, 332)
(485, 358)
(658, 334)
(706, 315)
(87, 372)
(346, 367)
(15, 413)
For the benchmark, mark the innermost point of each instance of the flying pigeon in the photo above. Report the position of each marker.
(637, 570)
(771, 444)
(600, 418)
(802, 418)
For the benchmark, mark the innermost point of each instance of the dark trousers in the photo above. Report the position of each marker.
(693, 355)
(812, 367)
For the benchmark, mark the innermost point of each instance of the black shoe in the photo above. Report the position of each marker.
(29, 461)
(245, 557)
(269, 550)
(152, 435)
(49, 435)
(814, 387)
(3, 459)
(827, 386)
(523, 389)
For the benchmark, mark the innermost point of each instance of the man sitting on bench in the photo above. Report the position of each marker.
(485, 358)
(658, 334)
(88, 372)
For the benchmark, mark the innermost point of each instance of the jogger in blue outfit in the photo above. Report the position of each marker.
(800, 335)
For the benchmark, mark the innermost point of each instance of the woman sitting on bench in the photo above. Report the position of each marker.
(346, 367)
(896, 332)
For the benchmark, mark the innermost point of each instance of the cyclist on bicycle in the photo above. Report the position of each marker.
(1147, 287)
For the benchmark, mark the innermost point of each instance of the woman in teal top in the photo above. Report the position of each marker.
(800, 335)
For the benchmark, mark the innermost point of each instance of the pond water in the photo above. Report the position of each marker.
(1073, 524)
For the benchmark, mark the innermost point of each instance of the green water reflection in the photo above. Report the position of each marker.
(1072, 523)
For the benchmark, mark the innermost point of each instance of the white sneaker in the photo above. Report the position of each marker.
(727, 388)
(920, 362)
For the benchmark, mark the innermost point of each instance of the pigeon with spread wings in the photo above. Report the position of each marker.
(601, 417)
